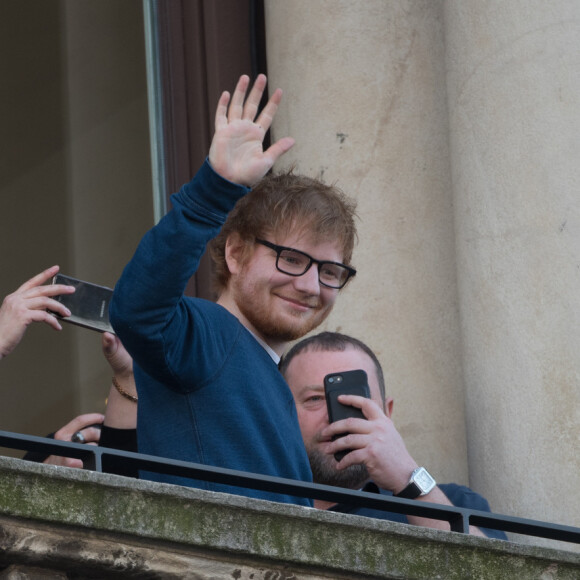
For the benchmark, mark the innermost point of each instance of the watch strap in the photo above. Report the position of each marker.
(412, 491)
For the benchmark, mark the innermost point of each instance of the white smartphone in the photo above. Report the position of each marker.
(89, 304)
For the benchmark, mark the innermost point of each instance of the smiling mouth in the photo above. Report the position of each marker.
(304, 306)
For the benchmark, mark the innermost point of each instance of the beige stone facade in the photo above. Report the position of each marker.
(456, 125)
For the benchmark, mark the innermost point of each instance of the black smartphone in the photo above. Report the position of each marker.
(353, 382)
(89, 304)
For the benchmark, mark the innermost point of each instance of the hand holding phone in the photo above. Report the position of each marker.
(353, 382)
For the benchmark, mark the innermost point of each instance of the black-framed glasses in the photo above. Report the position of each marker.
(296, 263)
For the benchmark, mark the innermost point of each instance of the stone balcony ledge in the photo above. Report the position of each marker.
(68, 523)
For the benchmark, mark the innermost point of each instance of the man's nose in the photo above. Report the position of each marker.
(308, 282)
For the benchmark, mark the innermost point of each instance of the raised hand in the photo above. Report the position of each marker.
(29, 304)
(236, 151)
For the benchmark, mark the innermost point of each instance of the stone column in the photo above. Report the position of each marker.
(364, 97)
(514, 106)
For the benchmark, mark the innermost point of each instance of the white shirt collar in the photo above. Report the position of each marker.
(275, 357)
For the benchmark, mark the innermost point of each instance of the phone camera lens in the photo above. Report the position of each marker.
(331, 380)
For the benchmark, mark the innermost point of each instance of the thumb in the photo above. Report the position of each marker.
(109, 344)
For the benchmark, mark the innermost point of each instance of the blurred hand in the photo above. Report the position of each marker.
(29, 304)
(82, 424)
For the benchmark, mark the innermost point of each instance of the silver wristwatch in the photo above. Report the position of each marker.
(421, 483)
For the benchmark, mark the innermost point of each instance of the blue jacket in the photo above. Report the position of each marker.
(208, 391)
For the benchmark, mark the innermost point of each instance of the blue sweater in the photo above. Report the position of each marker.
(208, 391)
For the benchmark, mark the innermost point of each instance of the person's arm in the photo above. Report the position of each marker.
(117, 426)
(121, 411)
(148, 308)
(378, 445)
(120, 425)
(114, 429)
(29, 304)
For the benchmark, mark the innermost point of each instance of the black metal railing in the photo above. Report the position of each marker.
(458, 518)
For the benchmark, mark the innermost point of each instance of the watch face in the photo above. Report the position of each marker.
(424, 480)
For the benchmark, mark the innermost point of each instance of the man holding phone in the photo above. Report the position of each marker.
(207, 378)
(374, 455)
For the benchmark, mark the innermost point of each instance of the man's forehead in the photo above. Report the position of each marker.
(297, 236)
(309, 367)
(349, 357)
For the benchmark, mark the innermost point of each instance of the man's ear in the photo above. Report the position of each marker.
(235, 253)
(389, 407)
